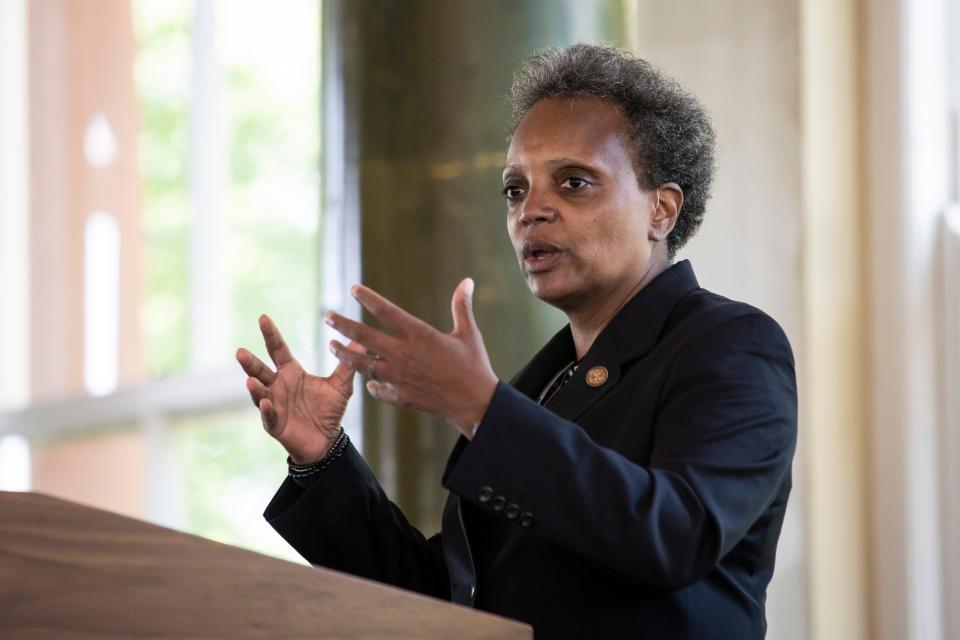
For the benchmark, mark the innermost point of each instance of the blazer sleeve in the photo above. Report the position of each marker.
(345, 521)
(724, 438)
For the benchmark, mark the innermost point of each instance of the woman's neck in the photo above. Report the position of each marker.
(587, 322)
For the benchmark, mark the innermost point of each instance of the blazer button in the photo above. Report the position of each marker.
(526, 520)
(485, 494)
(512, 511)
(498, 503)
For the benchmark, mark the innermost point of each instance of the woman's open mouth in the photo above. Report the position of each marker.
(539, 256)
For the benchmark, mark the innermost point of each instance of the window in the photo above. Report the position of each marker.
(226, 136)
(229, 158)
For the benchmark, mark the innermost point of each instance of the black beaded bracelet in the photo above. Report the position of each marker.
(306, 470)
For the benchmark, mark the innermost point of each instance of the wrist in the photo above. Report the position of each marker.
(479, 406)
(301, 471)
(313, 454)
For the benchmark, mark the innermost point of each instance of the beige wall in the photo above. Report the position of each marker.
(835, 320)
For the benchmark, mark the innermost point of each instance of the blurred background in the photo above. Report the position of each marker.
(170, 169)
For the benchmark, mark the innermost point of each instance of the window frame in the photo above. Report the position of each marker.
(909, 179)
(950, 408)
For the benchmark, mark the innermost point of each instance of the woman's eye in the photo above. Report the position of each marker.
(574, 183)
(512, 192)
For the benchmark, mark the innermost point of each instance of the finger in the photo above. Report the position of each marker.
(257, 391)
(387, 312)
(461, 306)
(254, 367)
(268, 414)
(343, 374)
(276, 347)
(360, 362)
(384, 391)
(377, 341)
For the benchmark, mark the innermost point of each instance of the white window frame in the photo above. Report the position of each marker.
(14, 239)
(14, 204)
(950, 450)
(949, 333)
(909, 187)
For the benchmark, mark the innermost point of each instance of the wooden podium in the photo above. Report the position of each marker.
(71, 572)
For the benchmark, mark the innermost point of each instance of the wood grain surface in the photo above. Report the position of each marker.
(71, 572)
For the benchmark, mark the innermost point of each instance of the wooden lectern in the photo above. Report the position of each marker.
(70, 572)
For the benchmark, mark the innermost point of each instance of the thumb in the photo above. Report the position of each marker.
(462, 308)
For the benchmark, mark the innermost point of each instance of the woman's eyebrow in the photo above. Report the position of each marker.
(555, 163)
(575, 162)
(510, 170)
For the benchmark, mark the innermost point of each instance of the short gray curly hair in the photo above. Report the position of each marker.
(670, 131)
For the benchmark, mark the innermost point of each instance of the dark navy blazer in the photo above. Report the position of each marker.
(645, 505)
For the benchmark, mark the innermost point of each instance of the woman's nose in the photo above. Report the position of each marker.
(537, 207)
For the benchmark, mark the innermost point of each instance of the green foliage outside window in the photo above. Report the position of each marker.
(226, 467)
(270, 97)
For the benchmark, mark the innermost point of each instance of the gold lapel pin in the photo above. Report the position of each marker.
(597, 376)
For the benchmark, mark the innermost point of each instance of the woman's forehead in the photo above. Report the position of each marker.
(558, 130)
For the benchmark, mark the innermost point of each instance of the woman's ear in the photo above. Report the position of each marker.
(668, 205)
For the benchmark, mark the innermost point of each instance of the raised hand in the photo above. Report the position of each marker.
(447, 375)
(302, 411)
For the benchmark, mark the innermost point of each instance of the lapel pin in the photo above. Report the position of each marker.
(596, 376)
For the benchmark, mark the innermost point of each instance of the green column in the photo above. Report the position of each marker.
(420, 90)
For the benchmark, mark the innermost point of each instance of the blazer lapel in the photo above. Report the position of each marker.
(631, 334)
(599, 371)
(557, 353)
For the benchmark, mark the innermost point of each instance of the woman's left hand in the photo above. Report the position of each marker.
(447, 375)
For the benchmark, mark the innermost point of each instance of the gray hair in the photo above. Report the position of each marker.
(670, 131)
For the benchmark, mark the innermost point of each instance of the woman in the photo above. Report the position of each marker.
(632, 479)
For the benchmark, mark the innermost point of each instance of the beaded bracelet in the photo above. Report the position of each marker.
(306, 470)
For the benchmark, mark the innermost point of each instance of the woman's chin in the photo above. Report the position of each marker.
(548, 290)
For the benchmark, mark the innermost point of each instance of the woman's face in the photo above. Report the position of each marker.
(577, 217)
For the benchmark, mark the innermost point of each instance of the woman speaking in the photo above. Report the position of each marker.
(631, 479)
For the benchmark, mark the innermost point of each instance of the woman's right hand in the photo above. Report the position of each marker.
(302, 411)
